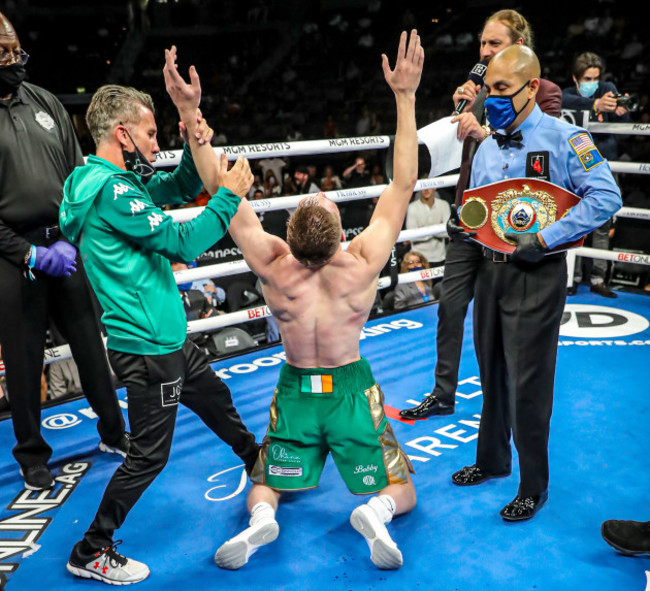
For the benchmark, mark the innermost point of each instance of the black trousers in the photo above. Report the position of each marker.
(517, 314)
(457, 290)
(25, 307)
(155, 384)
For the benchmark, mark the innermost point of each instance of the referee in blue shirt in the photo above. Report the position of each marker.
(520, 298)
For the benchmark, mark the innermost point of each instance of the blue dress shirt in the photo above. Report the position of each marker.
(574, 163)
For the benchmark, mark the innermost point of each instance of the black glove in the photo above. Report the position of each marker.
(454, 230)
(529, 248)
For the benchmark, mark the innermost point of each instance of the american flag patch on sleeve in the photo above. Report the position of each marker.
(581, 143)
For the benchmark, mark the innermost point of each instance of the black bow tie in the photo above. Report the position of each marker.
(512, 138)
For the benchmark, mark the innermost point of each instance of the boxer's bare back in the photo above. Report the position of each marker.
(321, 308)
(320, 311)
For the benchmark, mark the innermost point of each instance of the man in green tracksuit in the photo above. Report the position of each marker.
(111, 210)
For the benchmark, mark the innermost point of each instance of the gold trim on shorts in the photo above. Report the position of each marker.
(396, 462)
(273, 412)
(376, 403)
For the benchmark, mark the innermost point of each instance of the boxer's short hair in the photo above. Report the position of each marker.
(313, 234)
(113, 104)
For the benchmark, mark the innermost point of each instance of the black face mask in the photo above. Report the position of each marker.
(11, 77)
(136, 162)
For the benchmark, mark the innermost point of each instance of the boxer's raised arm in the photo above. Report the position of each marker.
(376, 241)
(186, 97)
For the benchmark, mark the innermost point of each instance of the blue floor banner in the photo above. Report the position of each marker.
(453, 540)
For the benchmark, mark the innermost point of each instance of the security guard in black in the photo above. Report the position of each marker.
(38, 150)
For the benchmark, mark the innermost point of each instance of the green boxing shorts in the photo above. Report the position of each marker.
(339, 410)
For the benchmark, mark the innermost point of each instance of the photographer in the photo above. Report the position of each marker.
(592, 94)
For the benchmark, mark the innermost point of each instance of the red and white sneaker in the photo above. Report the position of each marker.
(108, 566)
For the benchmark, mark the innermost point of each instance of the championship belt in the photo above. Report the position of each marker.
(521, 205)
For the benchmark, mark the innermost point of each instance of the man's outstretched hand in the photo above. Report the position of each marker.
(405, 78)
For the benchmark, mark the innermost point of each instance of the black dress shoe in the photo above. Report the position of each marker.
(431, 405)
(602, 290)
(521, 508)
(573, 290)
(631, 538)
(471, 475)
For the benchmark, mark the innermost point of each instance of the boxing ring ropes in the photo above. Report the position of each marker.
(325, 146)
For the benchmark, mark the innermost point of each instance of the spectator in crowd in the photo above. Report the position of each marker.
(376, 176)
(215, 295)
(411, 294)
(590, 93)
(304, 182)
(258, 185)
(356, 214)
(195, 303)
(331, 181)
(356, 175)
(274, 164)
(271, 186)
(426, 210)
(289, 185)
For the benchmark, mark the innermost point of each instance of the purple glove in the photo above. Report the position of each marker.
(59, 260)
(39, 259)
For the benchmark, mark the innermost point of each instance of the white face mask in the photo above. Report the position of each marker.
(272, 181)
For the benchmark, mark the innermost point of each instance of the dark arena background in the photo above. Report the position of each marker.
(277, 74)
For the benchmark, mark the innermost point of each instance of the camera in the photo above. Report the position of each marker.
(631, 102)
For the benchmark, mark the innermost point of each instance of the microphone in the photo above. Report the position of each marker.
(477, 76)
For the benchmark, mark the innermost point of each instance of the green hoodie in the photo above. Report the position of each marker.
(126, 243)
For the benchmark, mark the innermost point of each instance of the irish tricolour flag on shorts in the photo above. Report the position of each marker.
(321, 384)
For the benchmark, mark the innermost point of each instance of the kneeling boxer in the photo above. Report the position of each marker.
(327, 399)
